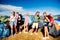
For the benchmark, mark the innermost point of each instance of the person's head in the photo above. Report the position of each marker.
(16, 13)
(37, 13)
(13, 13)
(44, 14)
(27, 14)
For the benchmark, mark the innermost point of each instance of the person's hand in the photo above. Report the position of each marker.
(50, 24)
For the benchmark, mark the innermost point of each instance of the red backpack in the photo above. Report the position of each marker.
(50, 18)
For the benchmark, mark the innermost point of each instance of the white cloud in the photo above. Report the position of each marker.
(7, 9)
(5, 13)
(10, 7)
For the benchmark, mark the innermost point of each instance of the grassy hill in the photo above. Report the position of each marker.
(28, 36)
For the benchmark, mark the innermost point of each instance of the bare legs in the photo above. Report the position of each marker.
(12, 29)
(15, 29)
(46, 31)
(32, 30)
(26, 28)
(36, 29)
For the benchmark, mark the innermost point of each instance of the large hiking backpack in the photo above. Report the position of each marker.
(53, 31)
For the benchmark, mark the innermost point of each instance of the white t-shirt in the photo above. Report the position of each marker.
(13, 18)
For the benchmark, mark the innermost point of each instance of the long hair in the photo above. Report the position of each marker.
(13, 13)
(44, 13)
(37, 12)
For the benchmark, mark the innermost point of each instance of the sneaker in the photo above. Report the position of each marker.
(47, 37)
(44, 38)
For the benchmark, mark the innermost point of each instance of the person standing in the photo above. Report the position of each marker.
(19, 23)
(26, 23)
(13, 22)
(35, 23)
(46, 23)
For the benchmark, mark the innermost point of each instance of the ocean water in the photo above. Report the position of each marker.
(58, 21)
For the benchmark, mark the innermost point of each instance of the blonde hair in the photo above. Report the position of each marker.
(27, 14)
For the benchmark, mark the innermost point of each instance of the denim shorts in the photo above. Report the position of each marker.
(13, 23)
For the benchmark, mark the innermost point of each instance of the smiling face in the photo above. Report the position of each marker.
(13, 13)
(44, 14)
(16, 13)
(37, 13)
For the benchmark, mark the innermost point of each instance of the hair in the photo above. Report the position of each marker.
(27, 14)
(13, 13)
(17, 12)
(44, 13)
(20, 16)
(37, 12)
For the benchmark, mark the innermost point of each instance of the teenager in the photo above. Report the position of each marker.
(46, 23)
(16, 15)
(19, 22)
(35, 23)
(26, 23)
(13, 22)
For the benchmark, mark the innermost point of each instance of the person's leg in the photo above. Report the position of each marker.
(24, 27)
(32, 30)
(33, 26)
(36, 27)
(20, 29)
(11, 29)
(11, 26)
(15, 28)
(27, 28)
(45, 31)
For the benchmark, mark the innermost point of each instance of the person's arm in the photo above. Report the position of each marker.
(10, 18)
(47, 19)
(39, 19)
(16, 20)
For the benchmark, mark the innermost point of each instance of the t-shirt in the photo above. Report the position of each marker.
(36, 18)
(13, 18)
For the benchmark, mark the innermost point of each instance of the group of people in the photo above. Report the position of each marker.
(16, 18)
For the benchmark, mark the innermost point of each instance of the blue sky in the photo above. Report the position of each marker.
(30, 6)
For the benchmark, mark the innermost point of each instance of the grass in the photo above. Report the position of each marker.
(28, 36)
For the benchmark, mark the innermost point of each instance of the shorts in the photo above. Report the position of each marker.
(13, 23)
(46, 23)
(19, 23)
(35, 25)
